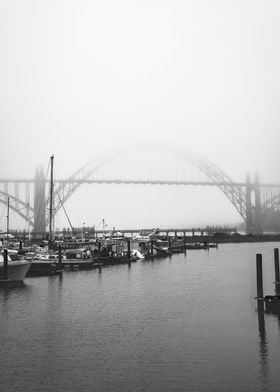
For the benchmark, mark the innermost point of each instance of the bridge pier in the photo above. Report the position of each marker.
(258, 208)
(253, 209)
(39, 203)
(249, 214)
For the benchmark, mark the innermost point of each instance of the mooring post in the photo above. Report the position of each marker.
(276, 265)
(259, 282)
(5, 265)
(59, 258)
(128, 249)
(152, 248)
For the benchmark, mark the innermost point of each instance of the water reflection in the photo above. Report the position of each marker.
(263, 350)
(10, 289)
(263, 343)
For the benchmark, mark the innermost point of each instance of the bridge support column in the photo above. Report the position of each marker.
(258, 209)
(39, 203)
(249, 208)
(253, 211)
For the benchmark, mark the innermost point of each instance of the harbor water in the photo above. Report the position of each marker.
(180, 323)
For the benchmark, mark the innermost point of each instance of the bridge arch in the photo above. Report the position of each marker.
(236, 194)
(18, 211)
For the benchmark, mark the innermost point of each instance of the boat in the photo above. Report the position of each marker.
(177, 246)
(110, 252)
(12, 267)
(135, 253)
(16, 269)
(79, 258)
(44, 265)
(161, 247)
(47, 262)
(146, 238)
(199, 245)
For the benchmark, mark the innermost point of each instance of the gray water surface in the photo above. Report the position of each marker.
(185, 323)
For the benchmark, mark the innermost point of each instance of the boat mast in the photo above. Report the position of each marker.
(8, 218)
(51, 201)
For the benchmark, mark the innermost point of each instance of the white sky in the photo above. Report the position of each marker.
(80, 77)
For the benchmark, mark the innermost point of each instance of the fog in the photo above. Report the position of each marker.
(80, 78)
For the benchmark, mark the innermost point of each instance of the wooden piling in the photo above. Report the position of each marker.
(60, 258)
(5, 265)
(277, 275)
(128, 249)
(259, 281)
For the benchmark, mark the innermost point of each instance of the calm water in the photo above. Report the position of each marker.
(185, 323)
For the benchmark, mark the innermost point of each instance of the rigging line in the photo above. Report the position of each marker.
(48, 168)
(62, 205)
(2, 214)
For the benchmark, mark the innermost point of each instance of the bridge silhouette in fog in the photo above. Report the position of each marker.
(173, 167)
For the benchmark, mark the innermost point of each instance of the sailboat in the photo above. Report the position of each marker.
(47, 263)
(12, 270)
(16, 270)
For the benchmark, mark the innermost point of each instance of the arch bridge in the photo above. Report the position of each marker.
(252, 200)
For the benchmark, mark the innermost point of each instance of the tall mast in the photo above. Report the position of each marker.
(8, 218)
(51, 201)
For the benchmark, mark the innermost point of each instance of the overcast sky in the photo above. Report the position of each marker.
(80, 77)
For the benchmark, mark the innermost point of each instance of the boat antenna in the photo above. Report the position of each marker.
(51, 201)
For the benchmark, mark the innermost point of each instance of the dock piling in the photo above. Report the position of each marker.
(128, 249)
(277, 275)
(60, 267)
(5, 265)
(259, 282)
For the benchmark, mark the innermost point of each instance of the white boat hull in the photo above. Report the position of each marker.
(16, 270)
